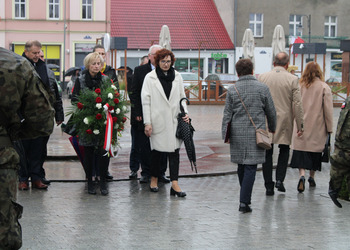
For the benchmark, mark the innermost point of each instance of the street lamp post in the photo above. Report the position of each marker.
(300, 27)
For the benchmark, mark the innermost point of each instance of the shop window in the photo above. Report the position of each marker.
(218, 66)
(189, 65)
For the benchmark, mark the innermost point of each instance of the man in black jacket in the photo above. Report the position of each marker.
(35, 150)
(141, 148)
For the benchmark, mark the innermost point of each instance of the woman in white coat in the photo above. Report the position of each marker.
(161, 93)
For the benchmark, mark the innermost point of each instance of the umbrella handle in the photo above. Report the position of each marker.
(181, 107)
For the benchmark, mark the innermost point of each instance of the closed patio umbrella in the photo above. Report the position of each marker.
(248, 45)
(164, 37)
(278, 41)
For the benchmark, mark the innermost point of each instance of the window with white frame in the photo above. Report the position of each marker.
(20, 9)
(294, 22)
(87, 9)
(256, 21)
(54, 9)
(330, 26)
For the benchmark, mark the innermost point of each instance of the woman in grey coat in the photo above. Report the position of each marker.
(243, 149)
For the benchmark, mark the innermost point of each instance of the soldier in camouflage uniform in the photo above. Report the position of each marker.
(340, 159)
(25, 112)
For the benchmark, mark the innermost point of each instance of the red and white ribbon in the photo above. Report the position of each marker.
(109, 130)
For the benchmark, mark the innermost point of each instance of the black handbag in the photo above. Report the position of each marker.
(327, 148)
(70, 127)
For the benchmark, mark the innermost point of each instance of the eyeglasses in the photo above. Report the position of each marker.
(165, 62)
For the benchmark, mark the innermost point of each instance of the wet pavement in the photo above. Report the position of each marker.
(131, 217)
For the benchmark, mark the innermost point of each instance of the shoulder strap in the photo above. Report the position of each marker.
(244, 107)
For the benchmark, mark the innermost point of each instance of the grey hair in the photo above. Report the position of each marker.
(154, 46)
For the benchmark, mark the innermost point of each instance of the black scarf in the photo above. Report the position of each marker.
(166, 80)
(93, 82)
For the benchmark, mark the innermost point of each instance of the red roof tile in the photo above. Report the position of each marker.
(189, 22)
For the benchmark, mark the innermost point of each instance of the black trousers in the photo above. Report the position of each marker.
(246, 176)
(174, 162)
(282, 165)
(140, 153)
(95, 158)
(33, 161)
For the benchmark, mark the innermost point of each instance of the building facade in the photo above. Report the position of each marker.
(67, 29)
(327, 22)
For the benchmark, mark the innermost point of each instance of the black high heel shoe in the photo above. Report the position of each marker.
(178, 194)
(154, 189)
(312, 182)
(301, 184)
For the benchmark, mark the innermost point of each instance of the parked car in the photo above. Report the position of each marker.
(190, 79)
(333, 80)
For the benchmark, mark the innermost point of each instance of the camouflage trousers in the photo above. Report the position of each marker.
(10, 211)
(340, 167)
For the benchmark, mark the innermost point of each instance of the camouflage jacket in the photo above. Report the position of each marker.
(342, 137)
(25, 109)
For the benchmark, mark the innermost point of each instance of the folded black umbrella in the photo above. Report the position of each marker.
(185, 131)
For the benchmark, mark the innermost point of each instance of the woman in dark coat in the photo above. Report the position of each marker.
(244, 151)
(94, 153)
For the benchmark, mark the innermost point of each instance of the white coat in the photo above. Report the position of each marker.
(162, 113)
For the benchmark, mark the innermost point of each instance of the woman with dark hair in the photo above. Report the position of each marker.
(161, 94)
(92, 78)
(318, 122)
(243, 148)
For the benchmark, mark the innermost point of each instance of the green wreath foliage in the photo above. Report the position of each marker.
(89, 115)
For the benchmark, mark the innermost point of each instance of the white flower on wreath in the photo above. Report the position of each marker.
(117, 111)
(86, 120)
(110, 95)
(96, 131)
(124, 108)
(116, 126)
(105, 122)
(113, 87)
(99, 105)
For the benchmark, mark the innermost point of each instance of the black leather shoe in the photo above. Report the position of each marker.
(245, 208)
(301, 184)
(280, 186)
(178, 194)
(133, 175)
(270, 192)
(109, 177)
(144, 179)
(163, 179)
(45, 181)
(334, 196)
(312, 182)
(269, 188)
(154, 189)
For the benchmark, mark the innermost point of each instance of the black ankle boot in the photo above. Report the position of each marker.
(91, 187)
(103, 187)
